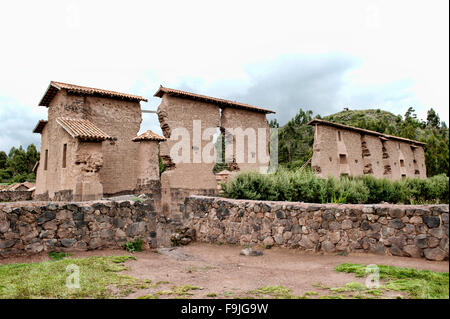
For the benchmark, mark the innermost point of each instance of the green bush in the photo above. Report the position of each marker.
(133, 246)
(305, 186)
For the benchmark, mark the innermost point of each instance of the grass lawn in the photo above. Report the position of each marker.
(99, 278)
(418, 284)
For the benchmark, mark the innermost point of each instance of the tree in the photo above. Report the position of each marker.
(3, 160)
(433, 119)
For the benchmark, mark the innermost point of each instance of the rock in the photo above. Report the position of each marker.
(397, 213)
(250, 252)
(365, 225)
(431, 221)
(306, 243)
(268, 242)
(45, 217)
(444, 244)
(434, 254)
(347, 224)
(396, 250)
(421, 241)
(396, 223)
(387, 231)
(433, 242)
(35, 248)
(415, 220)
(68, 242)
(4, 226)
(95, 243)
(333, 226)
(328, 246)
(412, 251)
(335, 237)
(436, 232)
(6, 243)
(185, 240)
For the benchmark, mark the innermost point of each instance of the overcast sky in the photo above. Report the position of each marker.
(318, 55)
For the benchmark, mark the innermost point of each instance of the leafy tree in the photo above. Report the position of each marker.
(3, 159)
(433, 119)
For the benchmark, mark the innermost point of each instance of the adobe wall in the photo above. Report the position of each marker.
(364, 154)
(119, 119)
(233, 118)
(13, 196)
(147, 162)
(50, 182)
(399, 230)
(186, 178)
(122, 120)
(33, 227)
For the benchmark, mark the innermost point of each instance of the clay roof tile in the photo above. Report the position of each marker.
(148, 136)
(364, 131)
(54, 87)
(208, 99)
(82, 129)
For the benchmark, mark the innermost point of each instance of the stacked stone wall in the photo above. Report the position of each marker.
(399, 230)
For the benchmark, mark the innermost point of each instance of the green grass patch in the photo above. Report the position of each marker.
(148, 297)
(58, 255)
(211, 295)
(273, 292)
(418, 284)
(99, 278)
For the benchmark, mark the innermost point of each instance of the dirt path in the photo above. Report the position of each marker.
(222, 271)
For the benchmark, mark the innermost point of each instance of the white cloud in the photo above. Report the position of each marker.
(134, 46)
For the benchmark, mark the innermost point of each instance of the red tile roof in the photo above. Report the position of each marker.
(54, 87)
(208, 99)
(40, 126)
(364, 131)
(148, 136)
(82, 129)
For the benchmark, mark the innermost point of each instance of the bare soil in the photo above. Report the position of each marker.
(221, 270)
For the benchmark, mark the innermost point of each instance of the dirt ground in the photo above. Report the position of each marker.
(221, 270)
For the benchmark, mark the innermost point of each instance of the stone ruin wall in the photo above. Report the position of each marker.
(400, 230)
(183, 179)
(237, 118)
(14, 196)
(35, 227)
(364, 155)
(419, 231)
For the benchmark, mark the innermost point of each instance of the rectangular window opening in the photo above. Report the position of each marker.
(46, 160)
(342, 158)
(402, 163)
(64, 156)
(339, 135)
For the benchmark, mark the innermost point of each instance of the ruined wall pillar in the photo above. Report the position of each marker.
(184, 124)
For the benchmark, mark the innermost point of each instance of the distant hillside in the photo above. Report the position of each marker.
(296, 137)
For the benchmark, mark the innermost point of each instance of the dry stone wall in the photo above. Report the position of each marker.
(414, 231)
(12, 196)
(34, 227)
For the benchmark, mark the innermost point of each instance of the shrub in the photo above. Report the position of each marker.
(305, 186)
(133, 246)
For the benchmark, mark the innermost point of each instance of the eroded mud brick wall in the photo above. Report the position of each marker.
(233, 118)
(52, 179)
(121, 120)
(339, 152)
(399, 230)
(183, 179)
(118, 118)
(27, 228)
